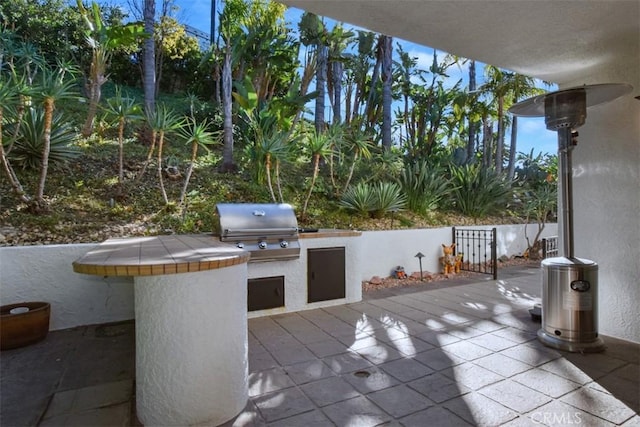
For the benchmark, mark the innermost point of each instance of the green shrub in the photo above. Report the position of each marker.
(387, 197)
(27, 151)
(358, 199)
(374, 200)
(424, 185)
(478, 192)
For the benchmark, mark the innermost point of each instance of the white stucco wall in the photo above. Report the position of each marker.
(44, 273)
(34, 273)
(606, 180)
(385, 250)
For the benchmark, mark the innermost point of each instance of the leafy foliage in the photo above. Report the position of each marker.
(374, 199)
(27, 150)
(424, 185)
(478, 191)
(358, 199)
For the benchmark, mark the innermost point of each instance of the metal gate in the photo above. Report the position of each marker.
(478, 250)
(550, 247)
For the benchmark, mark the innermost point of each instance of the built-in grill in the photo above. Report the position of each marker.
(268, 231)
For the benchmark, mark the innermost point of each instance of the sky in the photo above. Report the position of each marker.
(532, 132)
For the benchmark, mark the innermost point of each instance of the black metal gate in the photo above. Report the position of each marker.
(478, 250)
(550, 247)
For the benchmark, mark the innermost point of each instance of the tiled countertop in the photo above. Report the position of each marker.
(156, 255)
(329, 232)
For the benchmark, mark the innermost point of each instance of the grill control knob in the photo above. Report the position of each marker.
(240, 245)
(284, 244)
(262, 245)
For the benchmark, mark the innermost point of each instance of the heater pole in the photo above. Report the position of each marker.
(565, 146)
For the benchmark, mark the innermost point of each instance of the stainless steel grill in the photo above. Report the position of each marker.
(268, 231)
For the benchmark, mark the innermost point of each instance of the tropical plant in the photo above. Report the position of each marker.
(478, 191)
(388, 197)
(373, 199)
(161, 121)
(53, 86)
(103, 40)
(28, 147)
(539, 205)
(198, 136)
(318, 146)
(359, 143)
(358, 199)
(122, 110)
(424, 185)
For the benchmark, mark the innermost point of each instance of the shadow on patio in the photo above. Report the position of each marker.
(441, 355)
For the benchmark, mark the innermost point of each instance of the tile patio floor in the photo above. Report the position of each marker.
(451, 355)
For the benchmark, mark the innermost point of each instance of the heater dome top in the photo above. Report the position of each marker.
(595, 94)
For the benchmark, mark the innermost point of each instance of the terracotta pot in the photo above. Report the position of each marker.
(24, 323)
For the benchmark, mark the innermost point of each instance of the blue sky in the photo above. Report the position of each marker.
(532, 133)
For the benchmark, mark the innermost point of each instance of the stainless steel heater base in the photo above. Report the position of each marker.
(549, 340)
(570, 305)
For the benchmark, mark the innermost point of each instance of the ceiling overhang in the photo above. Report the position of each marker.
(556, 41)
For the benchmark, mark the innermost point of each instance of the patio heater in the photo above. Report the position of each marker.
(569, 284)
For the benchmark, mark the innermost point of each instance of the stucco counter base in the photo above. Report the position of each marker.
(191, 324)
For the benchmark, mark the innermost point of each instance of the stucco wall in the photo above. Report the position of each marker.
(44, 273)
(606, 189)
(385, 250)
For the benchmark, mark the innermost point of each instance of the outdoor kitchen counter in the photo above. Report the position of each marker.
(328, 232)
(191, 324)
(159, 255)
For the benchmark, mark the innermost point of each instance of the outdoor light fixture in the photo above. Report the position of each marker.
(420, 255)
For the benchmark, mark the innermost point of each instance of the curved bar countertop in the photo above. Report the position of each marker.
(191, 324)
(159, 255)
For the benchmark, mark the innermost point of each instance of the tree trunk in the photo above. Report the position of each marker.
(13, 179)
(160, 178)
(46, 148)
(511, 171)
(121, 151)
(194, 153)
(500, 139)
(149, 62)
(387, 80)
(337, 91)
(227, 152)
(472, 124)
(316, 169)
(321, 77)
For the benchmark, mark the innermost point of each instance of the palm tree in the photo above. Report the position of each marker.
(8, 98)
(197, 135)
(162, 122)
(52, 88)
(319, 147)
(149, 62)
(338, 39)
(103, 41)
(387, 79)
(313, 32)
(122, 110)
(359, 143)
(521, 87)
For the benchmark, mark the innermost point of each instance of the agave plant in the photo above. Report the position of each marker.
(387, 197)
(424, 185)
(358, 199)
(28, 147)
(374, 200)
(478, 191)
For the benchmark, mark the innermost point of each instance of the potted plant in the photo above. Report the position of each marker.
(23, 324)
